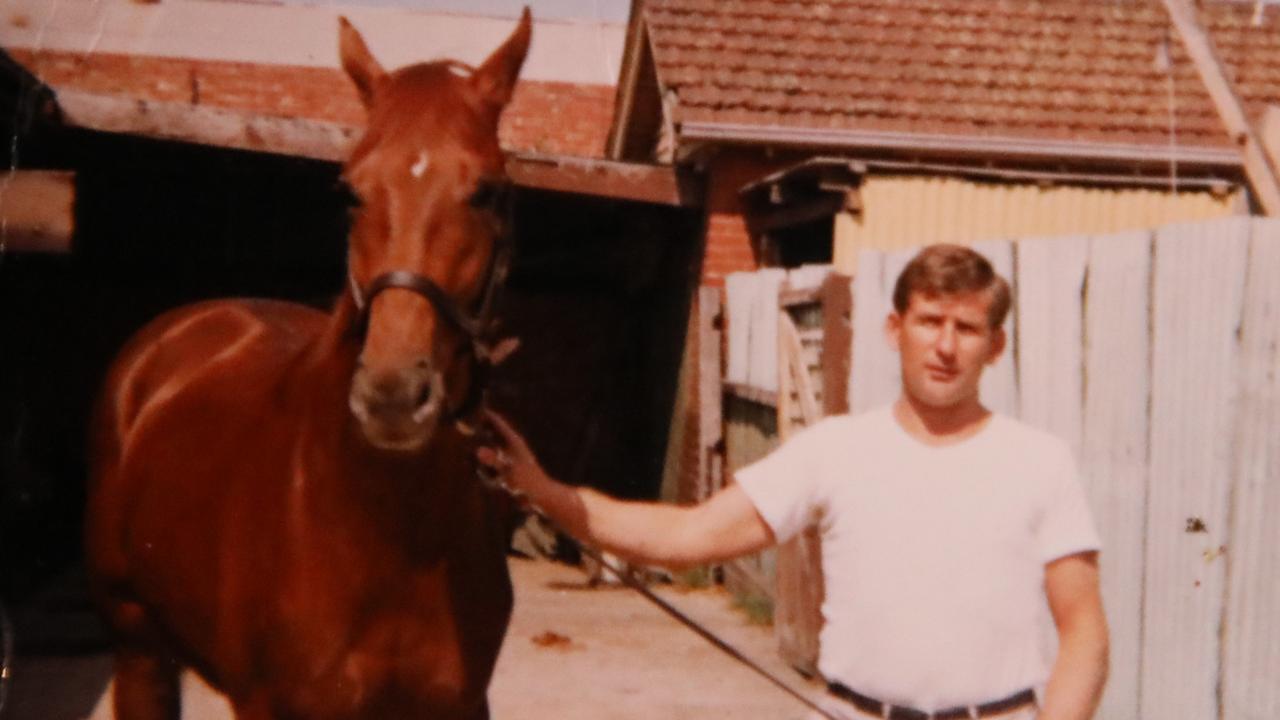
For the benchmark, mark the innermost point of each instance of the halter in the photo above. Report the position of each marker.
(476, 327)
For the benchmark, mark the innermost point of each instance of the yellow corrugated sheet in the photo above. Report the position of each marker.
(909, 211)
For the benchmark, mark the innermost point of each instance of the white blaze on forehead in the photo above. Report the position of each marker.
(460, 70)
(420, 167)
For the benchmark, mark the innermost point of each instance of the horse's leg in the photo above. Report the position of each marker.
(146, 686)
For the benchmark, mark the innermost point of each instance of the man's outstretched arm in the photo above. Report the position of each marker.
(1080, 672)
(675, 536)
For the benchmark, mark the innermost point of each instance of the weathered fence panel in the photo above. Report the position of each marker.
(1113, 454)
(1252, 632)
(875, 377)
(1197, 299)
(1048, 306)
(999, 383)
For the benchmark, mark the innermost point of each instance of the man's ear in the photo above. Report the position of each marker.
(495, 80)
(893, 331)
(359, 63)
(999, 339)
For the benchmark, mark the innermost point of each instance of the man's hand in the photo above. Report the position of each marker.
(649, 533)
(511, 461)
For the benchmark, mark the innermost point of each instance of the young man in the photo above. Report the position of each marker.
(947, 530)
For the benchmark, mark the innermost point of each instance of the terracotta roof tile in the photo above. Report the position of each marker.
(1062, 69)
(544, 117)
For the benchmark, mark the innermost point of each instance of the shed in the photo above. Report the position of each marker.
(197, 143)
(828, 128)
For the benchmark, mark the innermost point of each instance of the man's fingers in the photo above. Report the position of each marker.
(509, 436)
(487, 456)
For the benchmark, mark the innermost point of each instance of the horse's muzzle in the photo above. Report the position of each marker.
(397, 409)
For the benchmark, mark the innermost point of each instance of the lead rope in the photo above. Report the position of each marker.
(693, 625)
(666, 607)
(6, 657)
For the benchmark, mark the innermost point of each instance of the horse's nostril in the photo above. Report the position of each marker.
(424, 395)
(424, 364)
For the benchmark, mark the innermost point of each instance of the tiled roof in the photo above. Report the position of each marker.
(554, 118)
(1063, 70)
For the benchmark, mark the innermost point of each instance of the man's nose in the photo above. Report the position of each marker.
(946, 344)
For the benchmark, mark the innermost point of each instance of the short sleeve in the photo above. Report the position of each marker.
(1066, 526)
(783, 485)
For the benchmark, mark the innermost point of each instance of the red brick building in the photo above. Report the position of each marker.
(861, 121)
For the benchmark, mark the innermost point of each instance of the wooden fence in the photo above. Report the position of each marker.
(1156, 355)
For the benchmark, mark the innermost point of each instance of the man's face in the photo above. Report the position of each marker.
(944, 343)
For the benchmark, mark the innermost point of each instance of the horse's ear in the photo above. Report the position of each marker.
(495, 80)
(359, 63)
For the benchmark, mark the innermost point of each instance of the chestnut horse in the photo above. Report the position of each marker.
(285, 500)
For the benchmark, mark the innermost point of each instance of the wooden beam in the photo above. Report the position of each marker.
(1260, 171)
(37, 211)
(640, 182)
(207, 125)
(1270, 132)
(818, 206)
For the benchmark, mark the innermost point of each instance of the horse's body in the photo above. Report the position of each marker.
(289, 510)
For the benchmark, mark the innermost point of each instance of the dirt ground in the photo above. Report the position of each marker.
(573, 653)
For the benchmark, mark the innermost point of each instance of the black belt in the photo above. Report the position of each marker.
(898, 712)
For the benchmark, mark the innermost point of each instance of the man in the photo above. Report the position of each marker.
(947, 530)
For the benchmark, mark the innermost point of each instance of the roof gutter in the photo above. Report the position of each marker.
(1012, 148)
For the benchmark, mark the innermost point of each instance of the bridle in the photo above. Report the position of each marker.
(476, 324)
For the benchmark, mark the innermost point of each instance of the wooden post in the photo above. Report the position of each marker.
(1261, 172)
(37, 211)
(710, 394)
(786, 386)
(837, 342)
(1270, 132)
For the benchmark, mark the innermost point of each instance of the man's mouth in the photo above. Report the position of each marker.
(941, 374)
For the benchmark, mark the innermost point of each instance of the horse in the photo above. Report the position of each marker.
(285, 500)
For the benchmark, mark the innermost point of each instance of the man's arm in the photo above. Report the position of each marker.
(1080, 672)
(675, 536)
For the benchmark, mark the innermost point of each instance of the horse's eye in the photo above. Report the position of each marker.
(348, 196)
(490, 195)
(484, 197)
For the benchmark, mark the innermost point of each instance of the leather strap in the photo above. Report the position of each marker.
(882, 709)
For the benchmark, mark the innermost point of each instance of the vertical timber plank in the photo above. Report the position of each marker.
(1252, 637)
(786, 385)
(1113, 455)
(876, 378)
(710, 393)
(870, 372)
(837, 343)
(1049, 320)
(999, 388)
(798, 597)
(1197, 297)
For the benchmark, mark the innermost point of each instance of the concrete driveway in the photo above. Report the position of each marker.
(573, 652)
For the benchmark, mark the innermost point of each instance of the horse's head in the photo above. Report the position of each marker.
(427, 179)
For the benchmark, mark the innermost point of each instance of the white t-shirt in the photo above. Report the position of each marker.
(933, 557)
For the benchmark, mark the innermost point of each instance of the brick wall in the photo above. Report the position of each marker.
(547, 117)
(727, 248)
